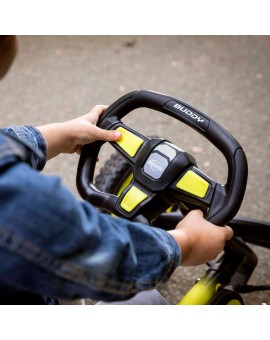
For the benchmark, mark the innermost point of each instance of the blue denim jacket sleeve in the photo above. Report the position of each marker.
(36, 141)
(56, 245)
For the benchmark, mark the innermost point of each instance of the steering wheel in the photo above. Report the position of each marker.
(163, 174)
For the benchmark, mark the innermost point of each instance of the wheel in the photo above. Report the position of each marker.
(227, 297)
(115, 175)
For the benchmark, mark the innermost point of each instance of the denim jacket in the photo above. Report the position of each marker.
(55, 245)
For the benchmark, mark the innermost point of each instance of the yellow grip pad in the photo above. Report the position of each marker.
(129, 142)
(132, 198)
(193, 184)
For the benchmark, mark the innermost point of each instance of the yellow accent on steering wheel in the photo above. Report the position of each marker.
(193, 184)
(132, 199)
(129, 142)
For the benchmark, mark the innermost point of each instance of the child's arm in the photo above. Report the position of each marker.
(70, 136)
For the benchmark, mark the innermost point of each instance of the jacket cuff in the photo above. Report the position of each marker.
(35, 140)
(173, 252)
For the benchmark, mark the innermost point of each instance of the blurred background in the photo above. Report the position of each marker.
(56, 78)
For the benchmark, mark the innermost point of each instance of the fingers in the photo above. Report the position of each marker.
(228, 232)
(198, 215)
(95, 113)
(93, 133)
(195, 217)
(98, 109)
(105, 135)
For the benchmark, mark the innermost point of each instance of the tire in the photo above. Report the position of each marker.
(113, 174)
(227, 297)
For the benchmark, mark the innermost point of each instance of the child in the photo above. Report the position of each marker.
(55, 246)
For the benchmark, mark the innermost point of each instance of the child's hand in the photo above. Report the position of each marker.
(200, 241)
(70, 136)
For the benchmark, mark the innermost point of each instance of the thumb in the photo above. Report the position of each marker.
(106, 135)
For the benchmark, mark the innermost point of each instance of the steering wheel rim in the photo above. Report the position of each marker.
(226, 200)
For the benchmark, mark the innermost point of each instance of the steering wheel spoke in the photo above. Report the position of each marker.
(132, 199)
(193, 189)
(131, 143)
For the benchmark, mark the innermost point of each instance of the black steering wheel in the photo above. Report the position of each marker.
(163, 174)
